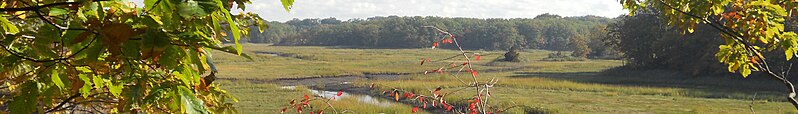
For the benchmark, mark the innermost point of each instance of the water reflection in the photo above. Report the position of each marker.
(362, 98)
(344, 95)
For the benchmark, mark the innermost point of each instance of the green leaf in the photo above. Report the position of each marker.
(287, 4)
(192, 104)
(7, 26)
(57, 79)
(25, 103)
(230, 49)
(98, 82)
(196, 8)
(57, 11)
(86, 89)
(115, 89)
(170, 56)
(745, 72)
(233, 27)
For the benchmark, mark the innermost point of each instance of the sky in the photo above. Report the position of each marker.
(273, 10)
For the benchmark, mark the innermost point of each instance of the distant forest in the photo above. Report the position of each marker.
(643, 40)
(546, 31)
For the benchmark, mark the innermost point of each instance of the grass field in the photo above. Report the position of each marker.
(590, 86)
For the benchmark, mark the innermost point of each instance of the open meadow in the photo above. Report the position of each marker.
(587, 86)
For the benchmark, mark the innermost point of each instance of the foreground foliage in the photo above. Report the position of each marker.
(749, 29)
(113, 56)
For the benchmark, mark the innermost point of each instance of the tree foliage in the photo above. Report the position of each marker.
(749, 30)
(114, 56)
(550, 32)
(648, 43)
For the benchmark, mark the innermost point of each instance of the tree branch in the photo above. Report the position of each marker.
(63, 103)
(6, 48)
(32, 8)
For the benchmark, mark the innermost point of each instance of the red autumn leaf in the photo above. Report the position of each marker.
(421, 99)
(299, 109)
(478, 57)
(473, 72)
(306, 97)
(415, 110)
(434, 44)
(340, 92)
(425, 105)
(448, 108)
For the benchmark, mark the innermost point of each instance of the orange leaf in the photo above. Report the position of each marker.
(434, 44)
(755, 60)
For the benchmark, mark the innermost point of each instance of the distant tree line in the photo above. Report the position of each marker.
(583, 35)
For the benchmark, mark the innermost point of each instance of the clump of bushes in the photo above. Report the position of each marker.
(559, 56)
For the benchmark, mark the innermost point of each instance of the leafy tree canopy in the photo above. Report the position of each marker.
(115, 56)
(749, 28)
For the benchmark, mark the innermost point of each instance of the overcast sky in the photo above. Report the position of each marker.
(272, 10)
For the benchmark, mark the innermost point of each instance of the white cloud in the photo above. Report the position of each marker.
(347, 9)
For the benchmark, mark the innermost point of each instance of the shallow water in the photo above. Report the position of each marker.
(362, 98)
(344, 95)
